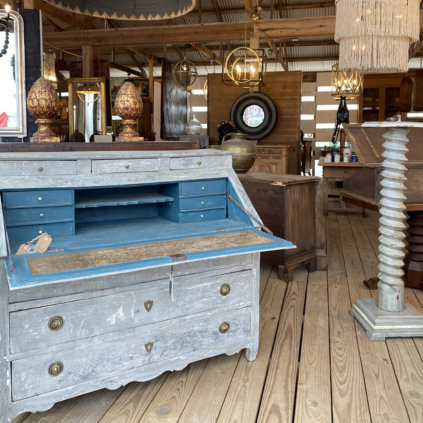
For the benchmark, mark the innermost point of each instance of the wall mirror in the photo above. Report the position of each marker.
(254, 114)
(87, 107)
(12, 76)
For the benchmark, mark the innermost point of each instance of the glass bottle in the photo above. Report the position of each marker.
(193, 126)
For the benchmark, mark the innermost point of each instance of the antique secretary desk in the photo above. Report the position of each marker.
(153, 264)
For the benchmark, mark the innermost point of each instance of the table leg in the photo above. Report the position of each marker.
(325, 195)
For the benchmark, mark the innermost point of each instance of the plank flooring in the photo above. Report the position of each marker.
(315, 364)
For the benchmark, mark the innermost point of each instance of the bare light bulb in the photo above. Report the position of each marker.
(7, 8)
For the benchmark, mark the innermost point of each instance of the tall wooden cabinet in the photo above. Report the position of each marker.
(381, 97)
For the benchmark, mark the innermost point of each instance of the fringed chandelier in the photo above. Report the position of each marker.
(374, 35)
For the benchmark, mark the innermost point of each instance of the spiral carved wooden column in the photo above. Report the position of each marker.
(391, 248)
(389, 315)
(413, 268)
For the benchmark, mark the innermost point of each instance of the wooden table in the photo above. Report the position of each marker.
(339, 172)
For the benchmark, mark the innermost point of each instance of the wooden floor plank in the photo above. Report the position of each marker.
(84, 412)
(349, 396)
(55, 414)
(279, 394)
(133, 401)
(173, 395)
(21, 418)
(265, 271)
(313, 403)
(243, 398)
(383, 392)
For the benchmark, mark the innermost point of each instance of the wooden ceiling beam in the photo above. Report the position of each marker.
(179, 51)
(127, 69)
(189, 34)
(207, 52)
(278, 54)
(137, 63)
(249, 6)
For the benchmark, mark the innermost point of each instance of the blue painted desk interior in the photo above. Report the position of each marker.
(173, 308)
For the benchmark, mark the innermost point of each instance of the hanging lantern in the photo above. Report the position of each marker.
(84, 91)
(245, 67)
(374, 35)
(185, 73)
(346, 83)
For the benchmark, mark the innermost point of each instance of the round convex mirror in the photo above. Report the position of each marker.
(253, 116)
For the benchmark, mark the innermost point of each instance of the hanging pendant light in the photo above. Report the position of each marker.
(185, 73)
(346, 84)
(245, 67)
(374, 35)
(84, 90)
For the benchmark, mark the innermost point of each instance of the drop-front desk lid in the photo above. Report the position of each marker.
(139, 245)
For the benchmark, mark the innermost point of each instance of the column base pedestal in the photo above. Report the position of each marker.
(380, 324)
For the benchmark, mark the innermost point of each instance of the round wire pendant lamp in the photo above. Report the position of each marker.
(85, 90)
(185, 73)
(374, 35)
(244, 66)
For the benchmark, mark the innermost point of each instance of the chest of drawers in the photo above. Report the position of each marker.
(152, 266)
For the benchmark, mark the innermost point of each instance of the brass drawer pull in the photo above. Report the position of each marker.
(149, 347)
(40, 232)
(202, 203)
(203, 188)
(56, 323)
(225, 289)
(199, 163)
(201, 215)
(40, 169)
(224, 327)
(39, 198)
(127, 166)
(148, 305)
(345, 171)
(41, 215)
(56, 369)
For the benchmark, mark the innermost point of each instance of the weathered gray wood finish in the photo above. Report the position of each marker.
(120, 327)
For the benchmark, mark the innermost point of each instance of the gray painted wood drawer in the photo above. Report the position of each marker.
(37, 168)
(88, 361)
(133, 306)
(178, 163)
(125, 166)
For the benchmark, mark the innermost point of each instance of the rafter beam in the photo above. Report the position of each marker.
(217, 10)
(126, 69)
(179, 51)
(207, 52)
(188, 34)
(278, 54)
(137, 63)
(249, 6)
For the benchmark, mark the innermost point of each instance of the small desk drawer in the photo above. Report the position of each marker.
(26, 233)
(26, 199)
(205, 187)
(38, 168)
(203, 215)
(208, 202)
(77, 363)
(196, 162)
(125, 166)
(138, 305)
(38, 215)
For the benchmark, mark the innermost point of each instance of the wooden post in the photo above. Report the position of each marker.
(151, 90)
(87, 62)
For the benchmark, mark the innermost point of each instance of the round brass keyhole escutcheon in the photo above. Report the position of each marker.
(56, 369)
(56, 323)
(225, 289)
(224, 327)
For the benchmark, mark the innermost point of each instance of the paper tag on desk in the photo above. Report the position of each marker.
(43, 243)
(22, 250)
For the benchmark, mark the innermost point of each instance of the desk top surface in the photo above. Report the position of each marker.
(342, 164)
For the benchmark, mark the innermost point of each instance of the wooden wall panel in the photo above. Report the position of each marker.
(284, 88)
